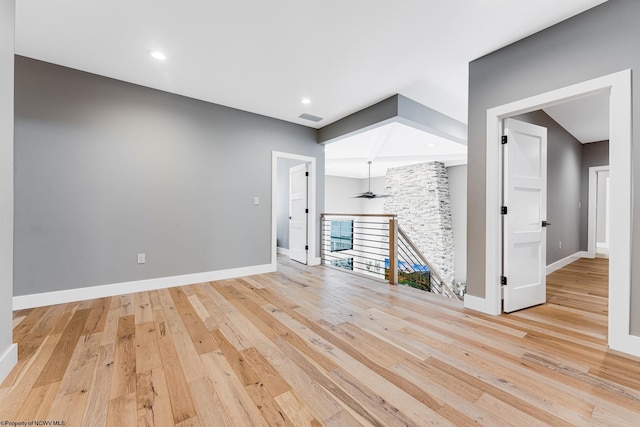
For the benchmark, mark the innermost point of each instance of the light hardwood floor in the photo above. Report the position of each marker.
(316, 346)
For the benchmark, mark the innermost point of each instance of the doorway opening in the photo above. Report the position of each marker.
(575, 295)
(619, 86)
(281, 164)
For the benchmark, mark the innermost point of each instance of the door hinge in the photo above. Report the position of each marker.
(503, 210)
(306, 211)
(503, 280)
(306, 174)
(504, 139)
(306, 247)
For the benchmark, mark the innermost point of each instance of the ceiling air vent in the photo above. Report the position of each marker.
(310, 117)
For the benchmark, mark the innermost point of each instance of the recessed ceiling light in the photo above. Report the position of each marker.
(306, 101)
(158, 55)
(432, 145)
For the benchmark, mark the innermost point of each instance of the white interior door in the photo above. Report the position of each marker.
(524, 232)
(298, 212)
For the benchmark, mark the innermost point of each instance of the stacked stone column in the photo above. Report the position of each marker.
(419, 195)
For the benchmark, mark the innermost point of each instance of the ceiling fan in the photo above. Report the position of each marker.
(369, 194)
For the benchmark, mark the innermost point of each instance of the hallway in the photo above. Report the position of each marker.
(577, 301)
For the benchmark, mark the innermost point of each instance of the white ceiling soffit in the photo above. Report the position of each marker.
(587, 119)
(264, 57)
(388, 146)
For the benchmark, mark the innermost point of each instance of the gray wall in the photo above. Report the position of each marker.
(340, 191)
(107, 169)
(7, 20)
(600, 41)
(564, 154)
(458, 194)
(593, 154)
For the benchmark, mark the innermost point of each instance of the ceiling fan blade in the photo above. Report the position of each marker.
(370, 195)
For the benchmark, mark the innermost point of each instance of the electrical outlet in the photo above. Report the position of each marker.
(256, 201)
(142, 258)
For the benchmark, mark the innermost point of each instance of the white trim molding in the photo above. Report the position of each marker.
(8, 360)
(315, 260)
(283, 251)
(566, 261)
(619, 87)
(483, 305)
(310, 260)
(593, 191)
(101, 291)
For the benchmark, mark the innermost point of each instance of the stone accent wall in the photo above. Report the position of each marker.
(419, 195)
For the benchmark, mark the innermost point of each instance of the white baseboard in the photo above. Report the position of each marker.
(566, 261)
(485, 306)
(480, 304)
(624, 342)
(315, 261)
(8, 360)
(101, 291)
(311, 261)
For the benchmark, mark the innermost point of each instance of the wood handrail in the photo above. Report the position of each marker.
(393, 251)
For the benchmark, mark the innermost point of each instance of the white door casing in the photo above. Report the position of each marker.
(602, 214)
(525, 196)
(298, 213)
(592, 208)
(618, 85)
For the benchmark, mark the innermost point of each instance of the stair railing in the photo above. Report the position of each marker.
(415, 270)
(362, 243)
(375, 245)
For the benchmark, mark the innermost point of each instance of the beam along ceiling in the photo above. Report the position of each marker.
(391, 145)
(395, 144)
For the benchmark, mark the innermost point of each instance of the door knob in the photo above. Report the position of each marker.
(545, 223)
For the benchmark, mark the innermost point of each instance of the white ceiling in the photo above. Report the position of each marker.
(264, 56)
(388, 146)
(587, 119)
